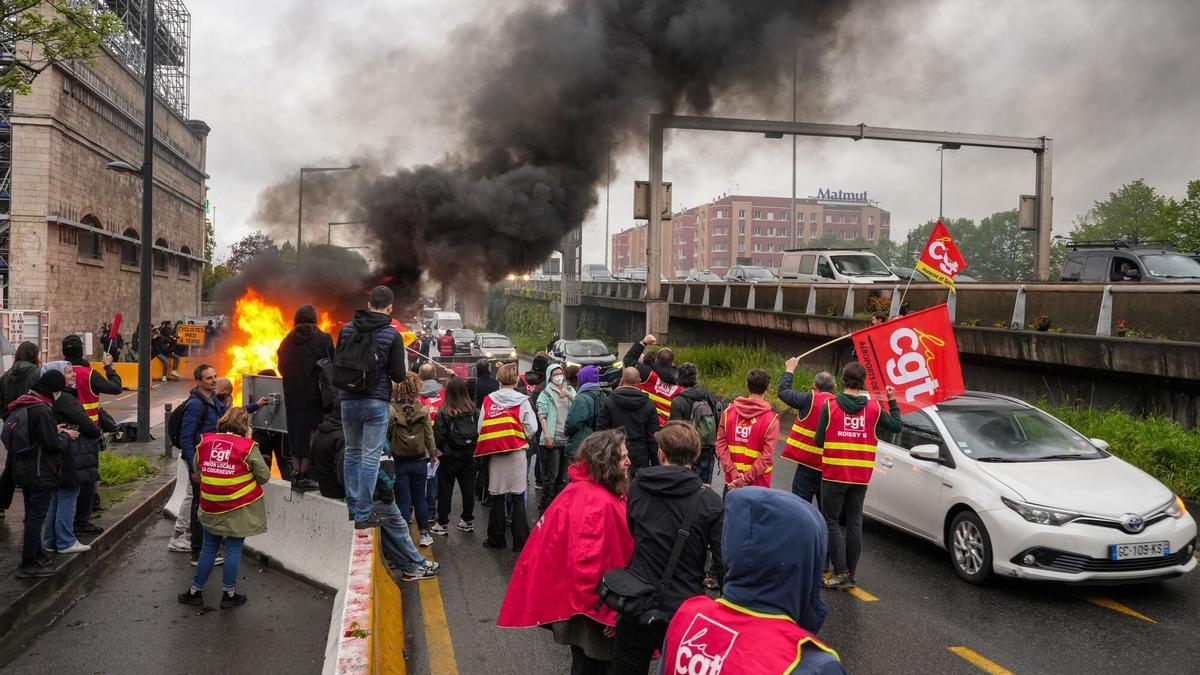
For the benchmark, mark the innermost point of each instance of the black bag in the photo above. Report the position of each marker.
(15, 434)
(175, 423)
(631, 597)
(356, 363)
(462, 433)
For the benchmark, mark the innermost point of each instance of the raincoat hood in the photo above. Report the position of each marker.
(774, 548)
(550, 370)
(588, 375)
(302, 334)
(852, 404)
(750, 407)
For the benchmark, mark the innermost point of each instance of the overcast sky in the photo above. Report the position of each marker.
(288, 83)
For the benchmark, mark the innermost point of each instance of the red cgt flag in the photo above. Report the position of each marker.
(916, 354)
(940, 259)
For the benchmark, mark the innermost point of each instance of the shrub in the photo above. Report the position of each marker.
(999, 324)
(122, 469)
(970, 322)
(1040, 323)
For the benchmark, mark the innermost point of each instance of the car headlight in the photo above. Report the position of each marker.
(1039, 514)
(512, 355)
(572, 363)
(618, 365)
(1177, 509)
(488, 354)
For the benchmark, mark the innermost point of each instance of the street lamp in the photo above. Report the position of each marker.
(329, 230)
(941, 149)
(300, 210)
(145, 271)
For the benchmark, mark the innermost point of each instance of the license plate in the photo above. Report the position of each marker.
(1150, 549)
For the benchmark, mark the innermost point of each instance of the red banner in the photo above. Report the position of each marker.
(915, 354)
(941, 260)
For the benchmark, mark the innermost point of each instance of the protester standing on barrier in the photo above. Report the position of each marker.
(697, 405)
(802, 445)
(15, 382)
(410, 437)
(664, 501)
(770, 607)
(846, 433)
(327, 450)
(231, 475)
(456, 434)
(300, 356)
(89, 385)
(369, 357)
(581, 536)
(80, 465)
(553, 407)
(35, 442)
(506, 423)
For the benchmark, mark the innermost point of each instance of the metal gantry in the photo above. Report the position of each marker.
(6, 108)
(172, 53)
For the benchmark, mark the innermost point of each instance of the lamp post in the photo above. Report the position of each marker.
(942, 170)
(145, 271)
(300, 209)
(329, 230)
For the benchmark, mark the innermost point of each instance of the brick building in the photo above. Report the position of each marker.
(71, 229)
(752, 230)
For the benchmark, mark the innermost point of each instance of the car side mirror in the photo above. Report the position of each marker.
(928, 452)
(1100, 443)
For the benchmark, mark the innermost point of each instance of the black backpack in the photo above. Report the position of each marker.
(175, 423)
(356, 363)
(15, 434)
(462, 433)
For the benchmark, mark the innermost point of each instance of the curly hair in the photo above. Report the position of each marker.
(600, 454)
(408, 390)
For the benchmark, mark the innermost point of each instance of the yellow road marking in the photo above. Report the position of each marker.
(861, 594)
(438, 643)
(1115, 606)
(979, 661)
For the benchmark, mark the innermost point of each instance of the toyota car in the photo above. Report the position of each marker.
(1010, 490)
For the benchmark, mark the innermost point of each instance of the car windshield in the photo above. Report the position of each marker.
(464, 334)
(860, 265)
(1015, 435)
(585, 348)
(758, 273)
(1172, 266)
(496, 343)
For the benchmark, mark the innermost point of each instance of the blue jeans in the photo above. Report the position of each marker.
(60, 519)
(364, 422)
(208, 555)
(410, 490)
(398, 545)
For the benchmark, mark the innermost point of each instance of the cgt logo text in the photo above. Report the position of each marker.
(938, 251)
(704, 647)
(221, 452)
(908, 370)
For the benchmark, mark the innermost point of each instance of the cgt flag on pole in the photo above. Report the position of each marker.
(940, 259)
(916, 354)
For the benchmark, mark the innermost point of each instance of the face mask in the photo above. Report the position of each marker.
(557, 380)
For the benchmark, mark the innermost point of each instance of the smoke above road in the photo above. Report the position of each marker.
(547, 90)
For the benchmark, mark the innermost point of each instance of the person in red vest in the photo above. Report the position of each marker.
(846, 433)
(506, 423)
(660, 378)
(801, 445)
(446, 344)
(230, 472)
(770, 607)
(747, 434)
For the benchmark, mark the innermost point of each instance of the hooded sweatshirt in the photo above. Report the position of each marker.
(890, 420)
(16, 381)
(554, 407)
(629, 408)
(512, 397)
(393, 363)
(747, 408)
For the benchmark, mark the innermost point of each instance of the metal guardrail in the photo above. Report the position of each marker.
(1088, 309)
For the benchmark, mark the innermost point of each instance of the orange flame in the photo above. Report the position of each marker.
(258, 328)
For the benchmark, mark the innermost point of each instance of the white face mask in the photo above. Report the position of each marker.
(557, 380)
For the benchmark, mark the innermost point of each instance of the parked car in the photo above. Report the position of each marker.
(1010, 490)
(633, 274)
(844, 266)
(493, 346)
(594, 273)
(1109, 262)
(583, 353)
(750, 274)
(463, 339)
(704, 277)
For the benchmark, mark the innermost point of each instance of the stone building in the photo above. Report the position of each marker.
(74, 228)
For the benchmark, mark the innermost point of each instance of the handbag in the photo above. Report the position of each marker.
(625, 593)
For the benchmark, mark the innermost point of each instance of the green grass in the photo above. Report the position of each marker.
(528, 344)
(121, 469)
(111, 495)
(723, 369)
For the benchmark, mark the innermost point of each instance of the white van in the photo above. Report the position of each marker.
(443, 321)
(843, 266)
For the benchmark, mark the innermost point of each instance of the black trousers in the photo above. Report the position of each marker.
(843, 500)
(84, 505)
(635, 646)
(37, 504)
(520, 521)
(448, 474)
(582, 664)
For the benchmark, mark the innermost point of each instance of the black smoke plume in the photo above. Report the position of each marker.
(552, 87)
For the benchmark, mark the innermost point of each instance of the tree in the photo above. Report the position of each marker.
(38, 33)
(1182, 219)
(247, 248)
(1135, 213)
(888, 251)
(210, 241)
(998, 250)
(213, 276)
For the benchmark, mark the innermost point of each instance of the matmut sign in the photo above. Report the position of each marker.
(915, 354)
(841, 195)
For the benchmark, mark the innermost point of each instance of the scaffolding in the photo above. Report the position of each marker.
(6, 108)
(172, 44)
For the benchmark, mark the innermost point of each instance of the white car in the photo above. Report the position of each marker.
(1010, 490)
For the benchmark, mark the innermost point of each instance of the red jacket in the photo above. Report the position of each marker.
(580, 537)
(446, 345)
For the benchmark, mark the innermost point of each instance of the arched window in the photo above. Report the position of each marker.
(90, 246)
(185, 263)
(129, 250)
(160, 257)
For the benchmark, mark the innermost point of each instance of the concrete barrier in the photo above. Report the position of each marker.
(129, 371)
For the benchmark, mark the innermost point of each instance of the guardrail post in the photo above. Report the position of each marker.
(166, 437)
(894, 310)
(779, 299)
(848, 310)
(728, 293)
(811, 308)
(750, 304)
(952, 304)
(704, 301)
(687, 294)
(1104, 323)
(1018, 317)
(645, 292)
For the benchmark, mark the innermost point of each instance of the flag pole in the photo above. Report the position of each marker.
(819, 348)
(905, 293)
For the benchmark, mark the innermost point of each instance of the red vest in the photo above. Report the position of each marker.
(434, 403)
(500, 430)
(744, 438)
(802, 441)
(226, 483)
(662, 394)
(83, 390)
(717, 636)
(524, 384)
(850, 444)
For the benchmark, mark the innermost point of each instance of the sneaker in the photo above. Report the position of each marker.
(850, 581)
(174, 376)
(77, 547)
(33, 571)
(88, 528)
(425, 540)
(466, 525)
(428, 571)
(164, 378)
(369, 522)
(230, 600)
(180, 544)
(305, 485)
(440, 530)
(839, 582)
(190, 598)
(220, 560)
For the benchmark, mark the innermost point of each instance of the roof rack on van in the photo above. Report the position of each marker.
(828, 248)
(1075, 244)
